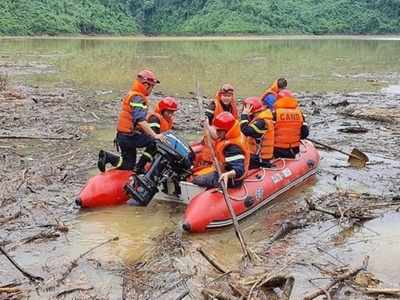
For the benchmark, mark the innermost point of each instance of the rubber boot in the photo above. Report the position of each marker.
(107, 157)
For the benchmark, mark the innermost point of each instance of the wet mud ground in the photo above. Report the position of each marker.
(47, 154)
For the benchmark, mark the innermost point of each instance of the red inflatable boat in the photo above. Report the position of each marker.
(207, 208)
(104, 189)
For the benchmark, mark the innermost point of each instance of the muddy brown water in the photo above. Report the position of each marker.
(323, 71)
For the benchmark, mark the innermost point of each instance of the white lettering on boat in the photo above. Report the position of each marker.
(286, 172)
(259, 193)
(276, 178)
(279, 176)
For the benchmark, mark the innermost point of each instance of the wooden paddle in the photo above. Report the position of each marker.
(356, 157)
(217, 167)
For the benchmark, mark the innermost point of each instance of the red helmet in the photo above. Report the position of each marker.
(226, 88)
(168, 103)
(224, 121)
(285, 93)
(147, 76)
(255, 102)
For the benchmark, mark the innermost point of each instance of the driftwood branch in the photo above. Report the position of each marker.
(74, 263)
(10, 290)
(340, 278)
(312, 206)
(73, 290)
(238, 291)
(214, 294)
(383, 291)
(41, 236)
(349, 213)
(263, 279)
(19, 268)
(287, 288)
(285, 228)
(183, 295)
(8, 219)
(286, 283)
(26, 137)
(212, 261)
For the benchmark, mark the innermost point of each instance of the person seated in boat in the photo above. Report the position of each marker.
(133, 131)
(256, 123)
(231, 153)
(290, 127)
(270, 96)
(160, 120)
(225, 100)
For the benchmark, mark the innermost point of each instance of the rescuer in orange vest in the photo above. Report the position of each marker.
(224, 101)
(290, 127)
(133, 131)
(231, 152)
(256, 123)
(160, 120)
(270, 96)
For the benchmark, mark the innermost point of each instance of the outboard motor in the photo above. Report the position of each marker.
(172, 163)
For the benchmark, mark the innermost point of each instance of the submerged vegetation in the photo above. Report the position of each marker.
(23, 17)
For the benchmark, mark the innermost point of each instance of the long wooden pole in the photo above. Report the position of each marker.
(228, 200)
(335, 149)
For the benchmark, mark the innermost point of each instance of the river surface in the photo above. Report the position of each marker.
(338, 64)
(329, 65)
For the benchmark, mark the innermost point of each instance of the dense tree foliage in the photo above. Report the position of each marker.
(25, 17)
(199, 16)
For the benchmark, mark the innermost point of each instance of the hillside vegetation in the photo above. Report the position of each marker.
(23, 17)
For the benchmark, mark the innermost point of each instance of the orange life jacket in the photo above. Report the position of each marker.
(265, 148)
(165, 124)
(288, 122)
(125, 122)
(273, 89)
(233, 137)
(219, 108)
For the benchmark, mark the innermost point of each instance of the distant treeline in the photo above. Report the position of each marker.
(29, 17)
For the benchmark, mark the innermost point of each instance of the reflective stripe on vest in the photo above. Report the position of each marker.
(164, 125)
(235, 157)
(125, 122)
(240, 141)
(264, 147)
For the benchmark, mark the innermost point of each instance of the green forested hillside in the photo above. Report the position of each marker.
(199, 16)
(26, 17)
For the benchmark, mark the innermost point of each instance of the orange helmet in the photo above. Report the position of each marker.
(147, 76)
(255, 103)
(224, 121)
(226, 88)
(285, 93)
(168, 103)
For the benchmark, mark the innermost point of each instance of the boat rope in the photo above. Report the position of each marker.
(257, 179)
(241, 198)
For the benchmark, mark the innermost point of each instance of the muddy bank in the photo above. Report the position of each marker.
(47, 153)
(307, 249)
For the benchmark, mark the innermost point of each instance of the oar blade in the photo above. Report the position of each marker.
(358, 159)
